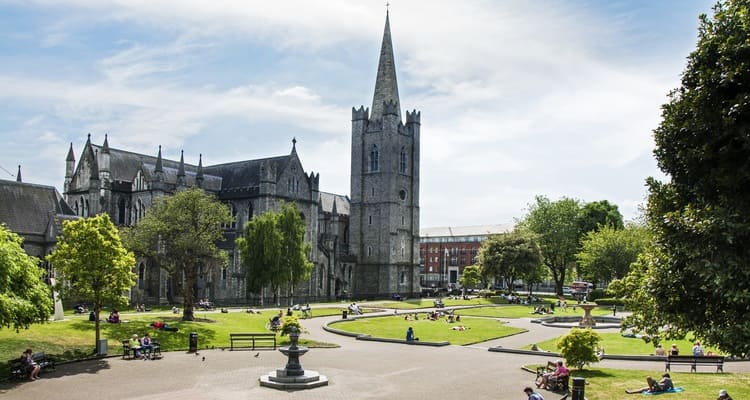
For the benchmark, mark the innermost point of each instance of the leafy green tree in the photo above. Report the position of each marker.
(471, 276)
(180, 233)
(695, 274)
(274, 252)
(599, 214)
(578, 347)
(607, 254)
(510, 256)
(24, 297)
(556, 227)
(92, 264)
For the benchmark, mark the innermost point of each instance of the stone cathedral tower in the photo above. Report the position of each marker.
(384, 220)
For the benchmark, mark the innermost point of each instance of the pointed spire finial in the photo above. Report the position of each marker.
(386, 86)
(71, 156)
(158, 167)
(199, 174)
(105, 146)
(181, 168)
(294, 143)
(18, 175)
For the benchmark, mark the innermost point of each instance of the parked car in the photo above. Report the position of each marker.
(566, 290)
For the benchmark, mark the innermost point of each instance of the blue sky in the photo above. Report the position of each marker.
(518, 98)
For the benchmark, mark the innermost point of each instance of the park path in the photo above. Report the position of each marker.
(357, 370)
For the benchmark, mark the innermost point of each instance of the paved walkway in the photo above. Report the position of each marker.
(357, 370)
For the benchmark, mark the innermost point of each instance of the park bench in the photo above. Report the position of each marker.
(18, 368)
(255, 339)
(128, 352)
(559, 383)
(694, 361)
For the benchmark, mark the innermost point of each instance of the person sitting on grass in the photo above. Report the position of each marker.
(663, 385)
(114, 317)
(723, 395)
(410, 335)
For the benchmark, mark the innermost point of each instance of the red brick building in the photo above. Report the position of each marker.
(444, 252)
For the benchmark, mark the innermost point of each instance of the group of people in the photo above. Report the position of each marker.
(142, 347)
(663, 385)
(205, 304)
(542, 310)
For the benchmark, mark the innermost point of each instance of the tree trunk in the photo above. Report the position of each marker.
(97, 310)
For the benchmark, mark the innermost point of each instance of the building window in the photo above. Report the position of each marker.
(403, 221)
(249, 211)
(369, 250)
(374, 159)
(403, 277)
(372, 191)
(402, 161)
(369, 219)
(141, 276)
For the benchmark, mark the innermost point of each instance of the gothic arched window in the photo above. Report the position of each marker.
(374, 159)
(141, 276)
(402, 161)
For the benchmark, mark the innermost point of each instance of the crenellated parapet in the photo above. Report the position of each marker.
(391, 107)
(360, 114)
(413, 117)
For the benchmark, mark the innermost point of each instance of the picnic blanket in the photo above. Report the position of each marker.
(678, 389)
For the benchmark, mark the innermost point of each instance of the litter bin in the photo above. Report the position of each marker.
(101, 347)
(193, 342)
(579, 388)
(344, 314)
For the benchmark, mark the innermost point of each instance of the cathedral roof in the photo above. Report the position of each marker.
(329, 200)
(171, 175)
(31, 209)
(245, 174)
(386, 87)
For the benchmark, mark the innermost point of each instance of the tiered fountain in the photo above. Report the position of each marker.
(293, 376)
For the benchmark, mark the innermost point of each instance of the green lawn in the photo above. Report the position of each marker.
(521, 311)
(430, 302)
(610, 384)
(614, 343)
(394, 327)
(74, 337)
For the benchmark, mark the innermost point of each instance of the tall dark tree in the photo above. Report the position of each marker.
(696, 273)
(181, 233)
(510, 256)
(273, 251)
(599, 213)
(556, 227)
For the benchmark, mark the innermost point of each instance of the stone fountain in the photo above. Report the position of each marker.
(587, 321)
(293, 376)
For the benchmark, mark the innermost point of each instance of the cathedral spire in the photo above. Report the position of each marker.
(181, 168)
(386, 88)
(159, 167)
(199, 174)
(18, 175)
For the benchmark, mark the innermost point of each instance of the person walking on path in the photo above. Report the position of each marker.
(532, 394)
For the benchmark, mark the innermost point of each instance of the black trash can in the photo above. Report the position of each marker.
(343, 314)
(193, 342)
(579, 388)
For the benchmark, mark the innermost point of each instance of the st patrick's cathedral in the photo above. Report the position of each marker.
(363, 245)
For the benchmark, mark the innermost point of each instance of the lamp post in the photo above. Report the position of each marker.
(445, 268)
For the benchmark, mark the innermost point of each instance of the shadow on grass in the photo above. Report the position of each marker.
(591, 373)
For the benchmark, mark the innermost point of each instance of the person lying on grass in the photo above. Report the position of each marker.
(663, 385)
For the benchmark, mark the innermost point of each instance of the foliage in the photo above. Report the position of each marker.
(578, 347)
(273, 250)
(509, 257)
(556, 227)
(607, 253)
(471, 276)
(92, 264)
(610, 301)
(180, 234)
(599, 214)
(24, 297)
(695, 277)
(289, 322)
(595, 294)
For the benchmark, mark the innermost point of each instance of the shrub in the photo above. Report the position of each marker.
(610, 301)
(289, 322)
(578, 347)
(595, 294)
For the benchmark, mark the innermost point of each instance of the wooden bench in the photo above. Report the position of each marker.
(256, 340)
(18, 368)
(694, 361)
(559, 383)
